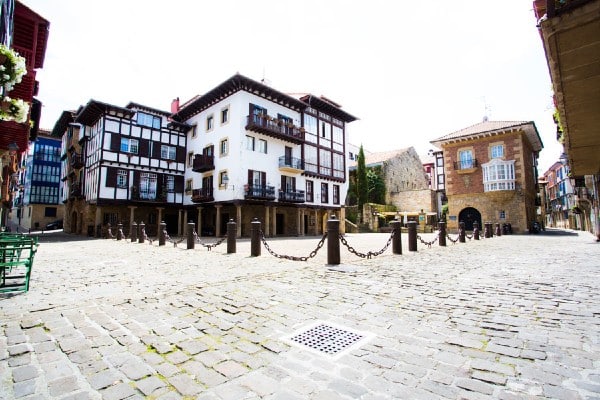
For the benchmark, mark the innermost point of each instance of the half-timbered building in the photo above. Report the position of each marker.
(255, 152)
(120, 165)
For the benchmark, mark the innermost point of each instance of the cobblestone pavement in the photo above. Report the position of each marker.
(512, 317)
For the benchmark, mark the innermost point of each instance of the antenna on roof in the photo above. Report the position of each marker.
(487, 110)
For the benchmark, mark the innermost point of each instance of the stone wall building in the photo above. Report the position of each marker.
(491, 173)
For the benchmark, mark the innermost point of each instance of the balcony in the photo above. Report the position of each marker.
(465, 165)
(273, 127)
(258, 192)
(77, 161)
(290, 164)
(293, 196)
(147, 195)
(203, 163)
(202, 195)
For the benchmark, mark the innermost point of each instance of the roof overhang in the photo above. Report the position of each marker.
(571, 38)
(93, 110)
(328, 107)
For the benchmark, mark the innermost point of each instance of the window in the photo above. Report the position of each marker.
(465, 158)
(351, 156)
(121, 178)
(309, 191)
(190, 159)
(194, 130)
(224, 147)
(149, 120)
(497, 151)
(498, 175)
(502, 214)
(324, 193)
(111, 218)
(250, 143)
(262, 146)
(49, 211)
(224, 115)
(336, 194)
(147, 186)
(170, 183)
(168, 152)
(223, 178)
(188, 186)
(129, 145)
(210, 122)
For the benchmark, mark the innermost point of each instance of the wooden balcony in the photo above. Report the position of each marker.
(147, 196)
(258, 192)
(202, 195)
(203, 163)
(77, 161)
(290, 164)
(75, 190)
(273, 127)
(297, 196)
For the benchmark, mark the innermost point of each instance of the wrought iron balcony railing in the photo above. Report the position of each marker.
(203, 163)
(297, 196)
(273, 127)
(202, 195)
(466, 164)
(259, 192)
(286, 162)
(77, 160)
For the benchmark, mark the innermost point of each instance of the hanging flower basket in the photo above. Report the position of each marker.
(14, 110)
(12, 68)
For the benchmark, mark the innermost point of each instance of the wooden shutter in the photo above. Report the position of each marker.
(115, 142)
(283, 188)
(263, 179)
(111, 177)
(180, 154)
(179, 183)
(293, 184)
(144, 148)
(250, 173)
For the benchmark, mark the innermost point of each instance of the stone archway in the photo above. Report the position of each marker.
(74, 222)
(468, 216)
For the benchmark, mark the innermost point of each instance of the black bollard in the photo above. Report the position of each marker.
(487, 232)
(162, 233)
(134, 232)
(333, 241)
(498, 229)
(461, 232)
(255, 238)
(475, 230)
(142, 232)
(442, 237)
(191, 241)
(119, 231)
(397, 239)
(412, 236)
(231, 234)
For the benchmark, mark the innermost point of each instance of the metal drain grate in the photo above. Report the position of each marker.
(327, 339)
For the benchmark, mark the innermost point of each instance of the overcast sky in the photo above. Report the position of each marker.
(411, 71)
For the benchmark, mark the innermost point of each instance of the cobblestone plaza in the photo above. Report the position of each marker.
(512, 317)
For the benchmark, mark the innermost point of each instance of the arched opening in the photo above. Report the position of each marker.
(74, 222)
(468, 216)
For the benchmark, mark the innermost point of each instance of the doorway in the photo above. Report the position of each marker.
(468, 216)
(279, 224)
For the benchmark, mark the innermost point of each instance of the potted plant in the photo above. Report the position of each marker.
(14, 110)
(12, 67)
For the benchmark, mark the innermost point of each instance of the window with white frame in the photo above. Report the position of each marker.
(129, 145)
(194, 130)
(262, 146)
(225, 115)
(498, 175)
(465, 159)
(147, 186)
(190, 160)
(250, 143)
(188, 186)
(224, 147)
(168, 152)
(223, 178)
(121, 178)
(210, 122)
(497, 151)
(170, 183)
(149, 120)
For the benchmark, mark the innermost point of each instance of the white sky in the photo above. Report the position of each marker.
(411, 71)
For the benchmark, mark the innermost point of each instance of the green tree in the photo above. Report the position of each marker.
(376, 186)
(362, 185)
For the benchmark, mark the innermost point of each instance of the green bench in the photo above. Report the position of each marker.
(16, 259)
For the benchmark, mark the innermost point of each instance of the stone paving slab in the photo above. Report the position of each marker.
(512, 317)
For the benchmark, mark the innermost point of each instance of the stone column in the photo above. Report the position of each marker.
(317, 223)
(267, 220)
(131, 214)
(184, 222)
(274, 222)
(342, 220)
(199, 228)
(238, 216)
(302, 231)
(159, 219)
(299, 222)
(179, 225)
(218, 222)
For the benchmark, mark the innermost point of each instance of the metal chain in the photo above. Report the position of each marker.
(429, 244)
(208, 246)
(370, 253)
(168, 238)
(468, 237)
(293, 258)
(454, 241)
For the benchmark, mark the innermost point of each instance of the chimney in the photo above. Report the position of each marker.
(175, 106)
